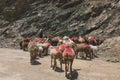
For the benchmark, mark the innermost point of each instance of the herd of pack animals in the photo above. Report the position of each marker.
(64, 49)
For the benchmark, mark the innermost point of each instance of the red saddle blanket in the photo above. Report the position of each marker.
(69, 51)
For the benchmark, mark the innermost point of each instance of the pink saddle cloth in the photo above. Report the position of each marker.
(69, 51)
(86, 45)
(57, 50)
(62, 46)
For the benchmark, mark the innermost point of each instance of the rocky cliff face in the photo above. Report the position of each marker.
(24, 18)
(12, 9)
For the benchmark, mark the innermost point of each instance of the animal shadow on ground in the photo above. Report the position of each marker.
(87, 59)
(36, 63)
(59, 69)
(74, 75)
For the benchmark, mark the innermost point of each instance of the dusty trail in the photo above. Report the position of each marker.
(15, 65)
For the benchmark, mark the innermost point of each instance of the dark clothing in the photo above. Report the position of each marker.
(40, 34)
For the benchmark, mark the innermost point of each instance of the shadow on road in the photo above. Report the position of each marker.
(74, 75)
(59, 69)
(36, 63)
(87, 59)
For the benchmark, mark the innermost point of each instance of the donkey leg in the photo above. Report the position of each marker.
(76, 53)
(71, 62)
(54, 67)
(61, 64)
(65, 68)
(68, 65)
(51, 62)
(31, 58)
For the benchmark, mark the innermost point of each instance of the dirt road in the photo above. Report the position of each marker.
(15, 65)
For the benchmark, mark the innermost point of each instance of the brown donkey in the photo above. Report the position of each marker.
(55, 54)
(68, 56)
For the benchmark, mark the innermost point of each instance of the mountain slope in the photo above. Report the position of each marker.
(24, 18)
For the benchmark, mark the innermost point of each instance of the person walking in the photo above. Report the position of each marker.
(40, 33)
